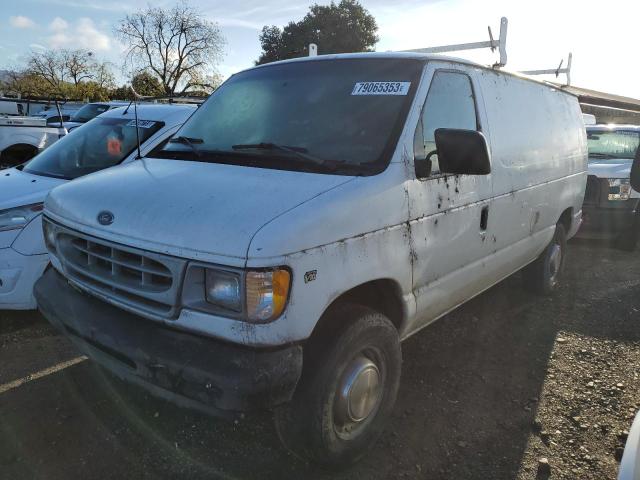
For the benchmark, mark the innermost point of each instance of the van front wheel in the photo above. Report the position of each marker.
(347, 391)
(542, 276)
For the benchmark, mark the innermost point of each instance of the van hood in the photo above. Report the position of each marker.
(188, 209)
(609, 168)
(19, 188)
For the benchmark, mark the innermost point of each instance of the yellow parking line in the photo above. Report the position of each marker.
(42, 373)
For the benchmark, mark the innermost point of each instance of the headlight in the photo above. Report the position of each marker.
(18, 217)
(619, 189)
(49, 232)
(223, 289)
(253, 296)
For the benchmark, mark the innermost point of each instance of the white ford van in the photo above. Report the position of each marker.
(310, 216)
(107, 140)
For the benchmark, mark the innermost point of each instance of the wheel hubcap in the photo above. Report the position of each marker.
(359, 392)
(555, 262)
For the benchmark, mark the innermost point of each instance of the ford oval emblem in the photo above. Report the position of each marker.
(105, 218)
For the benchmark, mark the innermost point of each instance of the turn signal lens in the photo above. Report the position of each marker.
(267, 293)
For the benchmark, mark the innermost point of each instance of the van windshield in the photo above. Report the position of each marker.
(612, 144)
(101, 143)
(339, 116)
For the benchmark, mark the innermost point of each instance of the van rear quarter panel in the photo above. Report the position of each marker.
(539, 158)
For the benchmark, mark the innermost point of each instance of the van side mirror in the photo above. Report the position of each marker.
(462, 152)
(635, 174)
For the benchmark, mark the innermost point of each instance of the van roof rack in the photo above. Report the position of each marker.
(29, 100)
(175, 98)
(555, 71)
(492, 43)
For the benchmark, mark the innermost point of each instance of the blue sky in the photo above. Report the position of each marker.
(541, 32)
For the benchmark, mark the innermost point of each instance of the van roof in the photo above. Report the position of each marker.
(425, 57)
(169, 114)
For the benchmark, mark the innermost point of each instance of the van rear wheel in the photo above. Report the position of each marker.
(542, 276)
(347, 390)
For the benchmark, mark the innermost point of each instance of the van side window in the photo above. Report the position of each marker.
(449, 104)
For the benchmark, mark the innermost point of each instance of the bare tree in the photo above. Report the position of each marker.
(79, 64)
(178, 45)
(47, 65)
(59, 66)
(103, 75)
(68, 72)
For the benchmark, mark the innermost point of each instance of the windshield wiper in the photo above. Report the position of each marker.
(188, 141)
(299, 152)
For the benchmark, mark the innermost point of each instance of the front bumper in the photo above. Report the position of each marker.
(603, 221)
(190, 370)
(18, 273)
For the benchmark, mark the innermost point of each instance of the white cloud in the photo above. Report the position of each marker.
(81, 34)
(21, 21)
(237, 22)
(37, 46)
(90, 36)
(58, 24)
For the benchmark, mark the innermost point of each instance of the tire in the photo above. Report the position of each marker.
(334, 430)
(543, 274)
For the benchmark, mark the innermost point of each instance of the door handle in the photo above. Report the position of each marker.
(484, 218)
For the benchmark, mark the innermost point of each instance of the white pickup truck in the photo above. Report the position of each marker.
(307, 218)
(611, 206)
(21, 138)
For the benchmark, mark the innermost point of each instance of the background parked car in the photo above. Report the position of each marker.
(53, 118)
(91, 110)
(630, 465)
(610, 208)
(108, 140)
(21, 138)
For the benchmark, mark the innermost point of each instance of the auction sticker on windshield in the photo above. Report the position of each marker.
(141, 123)
(381, 88)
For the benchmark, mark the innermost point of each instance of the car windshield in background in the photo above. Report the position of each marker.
(613, 144)
(102, 143)
(88, 112)
(341, 116)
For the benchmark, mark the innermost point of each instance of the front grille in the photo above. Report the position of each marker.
(140, 281)
(593, 192)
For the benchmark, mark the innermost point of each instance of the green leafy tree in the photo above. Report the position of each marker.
(147, 85)
(25, 83)
(336, 28)
(121, 93)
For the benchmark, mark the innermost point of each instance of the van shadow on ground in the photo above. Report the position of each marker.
(465, 409)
